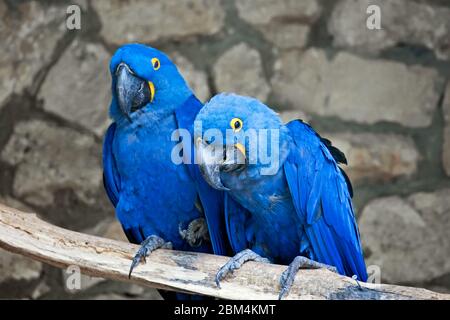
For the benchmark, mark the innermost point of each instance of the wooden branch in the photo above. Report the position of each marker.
(26, 234)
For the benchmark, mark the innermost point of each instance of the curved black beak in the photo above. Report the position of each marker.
(132, 92)
(212, 162)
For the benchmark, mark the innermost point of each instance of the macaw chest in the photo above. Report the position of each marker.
(148, 172)
(273, 228)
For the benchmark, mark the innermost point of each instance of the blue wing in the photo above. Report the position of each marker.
(211, 199)
(111, 178)
(111, 181)
(322, 200)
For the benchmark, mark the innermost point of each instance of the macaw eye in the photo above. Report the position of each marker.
(236, 124)
(156, 64)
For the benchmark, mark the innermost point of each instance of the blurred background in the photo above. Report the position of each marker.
(382, 96)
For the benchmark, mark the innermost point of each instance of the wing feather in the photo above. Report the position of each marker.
(322, 199)
(111, 178)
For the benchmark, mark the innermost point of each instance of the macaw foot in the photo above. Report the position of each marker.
(196, 232)
(300, 262)
(148, 246)
(236, 262)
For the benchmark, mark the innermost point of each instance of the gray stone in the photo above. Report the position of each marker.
(446, 104)
(239, 70)
(78, 87)
(197, 79)
(286, 35)
(41, 289)
(402, 21)
(376, 157)
(284, 23)
(356, 89)
(262, 12)
(408, 238)
(147, 21)
(135, 290)
(446, 150)
(49, 158)
(112, 296)
(30, 32)
(17, 267)
(446, 146)
(289, 115)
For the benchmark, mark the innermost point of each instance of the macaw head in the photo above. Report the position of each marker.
(144, 80)
(240, 136)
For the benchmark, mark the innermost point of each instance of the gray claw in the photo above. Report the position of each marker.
(286, 281)
(288, 275)
(236, 262)
(148, 246)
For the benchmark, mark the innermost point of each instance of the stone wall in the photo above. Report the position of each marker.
(382, 96)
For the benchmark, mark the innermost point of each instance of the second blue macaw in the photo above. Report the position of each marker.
(299, 203)
(159, 201)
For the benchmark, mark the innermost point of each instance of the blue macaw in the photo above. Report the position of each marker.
(299, 212)
(159, 203)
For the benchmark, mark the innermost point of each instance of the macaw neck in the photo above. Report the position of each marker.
(261, 170)
(170, 97)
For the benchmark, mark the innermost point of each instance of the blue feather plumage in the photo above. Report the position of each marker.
(153, 195)
(304, 208)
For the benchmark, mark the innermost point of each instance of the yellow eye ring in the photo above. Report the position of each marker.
(156, 64)
(236, 124)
